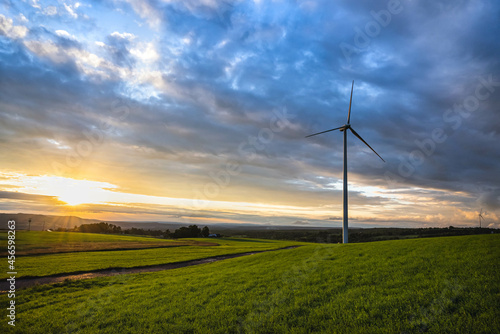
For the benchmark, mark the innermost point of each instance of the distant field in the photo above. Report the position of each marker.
(67, 262)
(437, 285)
(37, 242)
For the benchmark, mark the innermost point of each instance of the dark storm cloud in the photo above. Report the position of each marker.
(414, 96)
(490, 199)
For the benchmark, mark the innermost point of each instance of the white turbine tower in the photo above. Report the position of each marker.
(344, 128)
(480, 217)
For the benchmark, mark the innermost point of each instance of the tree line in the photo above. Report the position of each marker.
(191, 231)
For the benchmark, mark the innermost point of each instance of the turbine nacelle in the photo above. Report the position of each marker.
(348, 127)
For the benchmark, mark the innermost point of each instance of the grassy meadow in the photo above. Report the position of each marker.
(63, 261)
(38, 242)
(438, 285)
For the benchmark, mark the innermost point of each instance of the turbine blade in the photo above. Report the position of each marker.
(350, 102)
(357, 135)
(324, 132)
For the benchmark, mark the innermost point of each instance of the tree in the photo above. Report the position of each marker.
(101, 227)
(192, 231)
(205, 232)
(167, 234)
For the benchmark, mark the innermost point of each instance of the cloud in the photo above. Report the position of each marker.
(147, 11)
(145, 52)
(50, 11)
(64, 34)
(71, 10)
(301, 222)
(87, 63)
(118, 45)
(125, 35)
(12, 31)
(41, 199)
(490, 200)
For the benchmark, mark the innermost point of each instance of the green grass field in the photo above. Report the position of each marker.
(438, 285)
(67, 262)
(37, 242)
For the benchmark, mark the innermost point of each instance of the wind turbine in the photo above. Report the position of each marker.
(344, 128)
(481, 217)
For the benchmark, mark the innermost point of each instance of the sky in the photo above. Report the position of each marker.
(197, 111)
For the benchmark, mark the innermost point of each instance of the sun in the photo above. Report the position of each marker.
(77, 192)
(76, 197)
(70, 191)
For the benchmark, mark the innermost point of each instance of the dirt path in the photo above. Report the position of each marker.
(22, 283)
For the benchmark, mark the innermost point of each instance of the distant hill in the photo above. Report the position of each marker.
(39, 222)
(298, 233)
